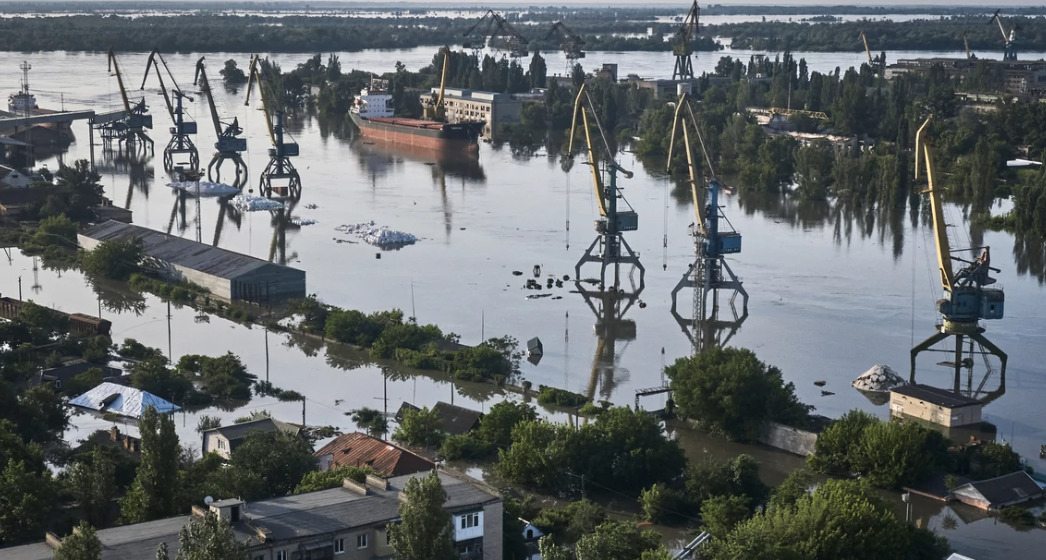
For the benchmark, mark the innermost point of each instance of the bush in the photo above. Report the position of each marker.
(419, 428)
(465, 446)
(1017, 516)
(549, 396)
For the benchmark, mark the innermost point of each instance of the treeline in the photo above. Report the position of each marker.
(944, 34)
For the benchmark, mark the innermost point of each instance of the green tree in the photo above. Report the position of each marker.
(549, 550)
(841, 519)
(721, 513)
(795, 486)
(155, 488)
(836, 449)
(209, 539)
(83, 544)
(232, 74)
(92, 481)
(115, 259)
(267, 464)
(535, 457)
(570, 523)
(424, 532)
(420, 428)
(619, 540)
(730, 391)
(496, 426)
(372, 420)
(56, 231)
(27, 500)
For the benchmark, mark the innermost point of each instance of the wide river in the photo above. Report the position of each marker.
(833, 292)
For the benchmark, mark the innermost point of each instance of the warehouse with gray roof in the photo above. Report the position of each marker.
(226, 274)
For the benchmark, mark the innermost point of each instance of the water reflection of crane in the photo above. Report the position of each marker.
(135, 165)
(967, 299)
(181, 133)
(229, 145)
(282, 220)
(713, 240)
(609, 306)
(279, 168)
(613, 250)
(226, 212)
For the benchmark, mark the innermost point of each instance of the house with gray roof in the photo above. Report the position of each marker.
(999, 492)
(224, 439)
(226, 274)
(348, 522)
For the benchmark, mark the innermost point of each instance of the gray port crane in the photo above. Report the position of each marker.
(279, 168)
(129, 132)
(569, 42)
(492, 29)
(684, 68)
(181, 143)
(967, 298)
(229, 145)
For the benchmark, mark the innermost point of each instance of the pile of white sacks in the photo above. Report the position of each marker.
(878, 379)
(251, 203)
(379, 236)
(204, 188)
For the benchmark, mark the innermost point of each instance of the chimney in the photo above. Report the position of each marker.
(353, 486)
(114, 434)
(377, 483)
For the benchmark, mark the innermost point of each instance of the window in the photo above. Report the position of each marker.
(361, 540)
(281, 555)
(339, 546)
(221, 443)
(470, 520)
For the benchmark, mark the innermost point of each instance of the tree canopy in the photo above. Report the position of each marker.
(728, 390)
(425, 531)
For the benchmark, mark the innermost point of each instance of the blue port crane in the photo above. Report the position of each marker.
(1009, 40)
(229, 145)
(181, 133)
(714, 239)
(967, 296)
(279, 168)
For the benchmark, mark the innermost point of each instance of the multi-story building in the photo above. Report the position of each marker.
(347, 523)
(465, 105)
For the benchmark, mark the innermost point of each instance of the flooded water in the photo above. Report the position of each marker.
(833, 291)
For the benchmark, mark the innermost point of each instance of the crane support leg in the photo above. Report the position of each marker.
(994, 351)
(924, 345)
(214, 169)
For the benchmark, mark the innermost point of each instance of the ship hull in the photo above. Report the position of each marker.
(425, 134)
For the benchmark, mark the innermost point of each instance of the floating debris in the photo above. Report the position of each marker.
(379, 236)
(538, 296)
(819, 383)
(303, 222)
(311, 206)
(517, 273)
(204, 188)
(826, 393)
(251, 203)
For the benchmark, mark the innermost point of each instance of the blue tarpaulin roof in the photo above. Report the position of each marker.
(128, 401)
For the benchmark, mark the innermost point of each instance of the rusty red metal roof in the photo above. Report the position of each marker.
(387, 459)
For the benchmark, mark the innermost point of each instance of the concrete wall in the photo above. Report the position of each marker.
(787, 438)
(215, 442)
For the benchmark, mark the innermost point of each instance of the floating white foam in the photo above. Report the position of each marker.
(204, 188)
(380, 236)
(251, 203)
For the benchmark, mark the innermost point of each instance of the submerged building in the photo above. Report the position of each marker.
(226, 274)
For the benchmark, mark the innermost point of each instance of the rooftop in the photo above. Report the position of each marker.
(240, 431)
(183, 252)
(1018, 486)
(934, 395)
(303, 515)
(455, 419)
(387, 459)
(128, 401)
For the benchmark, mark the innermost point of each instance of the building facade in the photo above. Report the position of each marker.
(465, 105)
(934, 405)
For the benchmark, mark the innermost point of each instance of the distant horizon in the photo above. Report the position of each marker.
(451, 4)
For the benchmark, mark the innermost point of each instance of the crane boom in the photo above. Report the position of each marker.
(944, 253)
(113, 66)
(593, 161)
(691, 164)
(1002, 30)
(205, 87)
(866, 49)
(966, 44)
(254, 77)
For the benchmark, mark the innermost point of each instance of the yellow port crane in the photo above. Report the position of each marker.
(131, 129)
(967, 297)
(684, 67)
(229, 145)
(279, 168)
(966, 44)
(181, 141)
(866, 49)
(436, 110)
